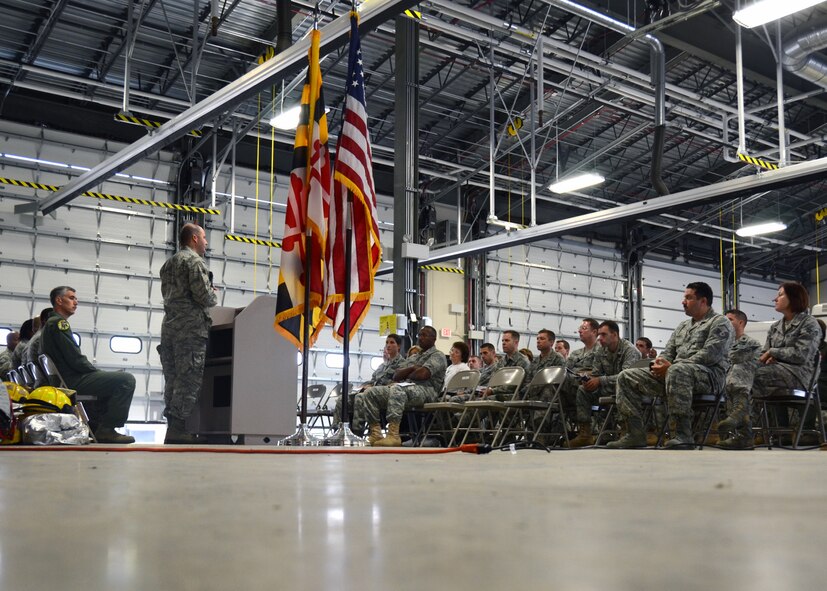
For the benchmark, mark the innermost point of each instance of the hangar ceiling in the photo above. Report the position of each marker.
(63, 65)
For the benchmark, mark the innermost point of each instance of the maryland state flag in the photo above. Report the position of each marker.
(308, 205)
(353, 173)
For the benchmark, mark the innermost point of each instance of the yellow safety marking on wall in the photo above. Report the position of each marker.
(256, 241)
(120, 198)
(758, 162)
(414, 14)
(442, 269)
(820, 215)
(514, 127)
(131, 119)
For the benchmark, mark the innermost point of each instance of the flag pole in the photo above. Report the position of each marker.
(302, 436)
(343, 436)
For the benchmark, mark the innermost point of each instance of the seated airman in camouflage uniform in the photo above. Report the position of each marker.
(381, 377)
(548, 357)
(693, 361)
(12, 339)
(789, 355)
(511, 358)
(581, 362)
(613, 355)
(735, 430)
(418, 380)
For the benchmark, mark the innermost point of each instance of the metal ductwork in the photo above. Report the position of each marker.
(284, 18)
(798, 57)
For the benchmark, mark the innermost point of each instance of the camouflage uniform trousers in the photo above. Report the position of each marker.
(393, 399)
(738, 386)
(769, 380)
(113, 391)
(683, 380)
(357, 423)
(586, 400)
(182, 360)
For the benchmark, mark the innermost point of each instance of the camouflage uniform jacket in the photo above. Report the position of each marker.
(34, 349)
(607, 365)
(744, 349)
(516, 359)
(553, 359)
(582, 360)
(18, 354)
(59, 345)
(185, 286)
(384, 373)
(434, 360)
(705, 342)
(5, 362)
(487, 371)
(794, 347)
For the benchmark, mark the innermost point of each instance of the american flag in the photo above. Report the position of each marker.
(308, 202)
(353, 173)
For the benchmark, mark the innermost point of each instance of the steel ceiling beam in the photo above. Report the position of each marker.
(334, 35)
(797, 173)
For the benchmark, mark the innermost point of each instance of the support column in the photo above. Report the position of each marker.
(406, 166)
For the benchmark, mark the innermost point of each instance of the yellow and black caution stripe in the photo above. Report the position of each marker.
(131, 119)
(414, 14)
(268, 54)
(821, 214)
(442, 269)
(120, 198)
(256, 241)
(765, 164)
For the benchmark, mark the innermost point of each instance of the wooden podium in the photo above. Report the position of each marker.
(250, 374)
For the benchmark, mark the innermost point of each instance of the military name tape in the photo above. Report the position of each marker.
(442, 269)
(256, 241)
(120, 198)
(758, 162)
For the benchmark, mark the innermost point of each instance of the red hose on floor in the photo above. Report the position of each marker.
(471, 448)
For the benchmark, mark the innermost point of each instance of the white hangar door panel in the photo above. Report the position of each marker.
(553, 285)
(664, 283)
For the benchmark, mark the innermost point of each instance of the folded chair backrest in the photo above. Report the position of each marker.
(37, 375)
(53, 376)
(26, 376)
(507, 376)
(549, 376)
(463, 380)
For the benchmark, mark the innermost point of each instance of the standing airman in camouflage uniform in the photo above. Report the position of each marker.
(381, 377)
(694, 360)
(188, 296)
(735, 430)
(613, 355)
(112, 389)
(789, 355)
(422, 374)
(511, 358)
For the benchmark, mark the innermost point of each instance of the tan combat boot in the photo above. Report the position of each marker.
(584, 436)
(392, 439)
(374, 433)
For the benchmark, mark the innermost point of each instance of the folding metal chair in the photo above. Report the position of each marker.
(26, 376)
(315, 394)
(804, 400)
(439, 415)
(38, 378)
(482, 416)
(321, 417)
(13, 376)
(706, 408)
(520, 418)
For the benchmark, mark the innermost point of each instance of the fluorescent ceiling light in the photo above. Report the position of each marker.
(758, 229)
(288, 119)
(765, 11)
(581, 181)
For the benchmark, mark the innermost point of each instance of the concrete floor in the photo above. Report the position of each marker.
(584, 519)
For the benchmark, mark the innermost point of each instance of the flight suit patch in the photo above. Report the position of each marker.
(62, 325)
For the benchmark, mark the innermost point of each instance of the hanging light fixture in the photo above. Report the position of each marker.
(575, 183)
(760, 228)
(765, 11)
(288, 119)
